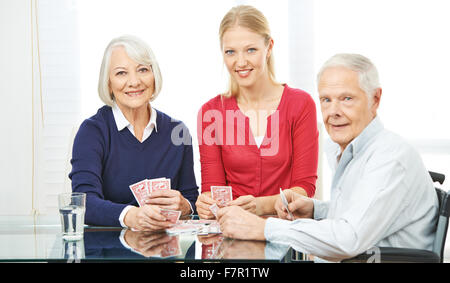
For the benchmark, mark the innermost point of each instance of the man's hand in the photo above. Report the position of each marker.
(237, 223)
(299, 205)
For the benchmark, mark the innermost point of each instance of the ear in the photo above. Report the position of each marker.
(376, 100)
(269, 48)
(111, 94)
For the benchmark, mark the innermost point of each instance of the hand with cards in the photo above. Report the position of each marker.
(143, 189)
(291, 205)
(209, 203)
(237, 223)
(150, 244)
(147, 218)
(222, 195)
(159, 207)
(247, 202)
(286, 204)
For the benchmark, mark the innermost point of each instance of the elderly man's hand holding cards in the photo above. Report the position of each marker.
(286, 204)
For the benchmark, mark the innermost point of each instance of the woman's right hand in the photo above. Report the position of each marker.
(204, 201)
(146, 218)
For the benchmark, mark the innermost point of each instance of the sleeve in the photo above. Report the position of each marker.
(320, 209)
(187, 183)
(209, 134)
(305, 148)
(86, 175)
(363, 224)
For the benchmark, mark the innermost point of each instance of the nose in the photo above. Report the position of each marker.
(334, 109)
(133, 80)
(241, 60)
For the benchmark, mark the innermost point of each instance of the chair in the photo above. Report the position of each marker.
(417, 255)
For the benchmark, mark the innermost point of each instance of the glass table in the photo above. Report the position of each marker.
(38, 239)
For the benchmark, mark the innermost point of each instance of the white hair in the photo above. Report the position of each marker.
(369, 80)
(137, 50)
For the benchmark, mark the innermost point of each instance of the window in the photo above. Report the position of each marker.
(412, 57)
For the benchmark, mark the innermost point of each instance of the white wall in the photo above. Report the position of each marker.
(16, 142)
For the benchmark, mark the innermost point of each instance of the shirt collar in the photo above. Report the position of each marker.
(367, 134)
(333, 150)
(122, 122)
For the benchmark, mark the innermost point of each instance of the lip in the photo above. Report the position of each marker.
(338, 127)
(135, 93)
(244, 72)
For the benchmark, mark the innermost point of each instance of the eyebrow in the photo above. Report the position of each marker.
(245, 46)
(121, 67)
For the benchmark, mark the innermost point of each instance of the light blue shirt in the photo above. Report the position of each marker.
(381, 195)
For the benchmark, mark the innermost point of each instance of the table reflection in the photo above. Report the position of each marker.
(39, 239)
(128, 244)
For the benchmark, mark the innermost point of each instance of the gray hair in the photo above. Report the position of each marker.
(369, 80)
(137, 50)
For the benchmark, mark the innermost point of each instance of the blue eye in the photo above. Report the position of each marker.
(325, 99)
(143, 70)
(251, 50)
(229, 52)
(348, 98)
(120, 73)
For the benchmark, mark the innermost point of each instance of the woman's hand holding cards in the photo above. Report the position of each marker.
(146, 218)
(203, 204)
(169, 199)
(248, 203)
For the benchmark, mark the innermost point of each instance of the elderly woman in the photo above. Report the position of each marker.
(128, 141)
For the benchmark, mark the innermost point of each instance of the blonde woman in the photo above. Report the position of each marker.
(127, 141)
(261, 135)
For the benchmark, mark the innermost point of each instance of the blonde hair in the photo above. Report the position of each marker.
(251, 18)
(137, 50)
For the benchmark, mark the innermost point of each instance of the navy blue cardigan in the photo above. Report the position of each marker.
(105, 162)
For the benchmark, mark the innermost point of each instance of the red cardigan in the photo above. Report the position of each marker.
(287, 157)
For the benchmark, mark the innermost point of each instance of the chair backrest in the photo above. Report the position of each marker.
(442, 223)
(437, 177)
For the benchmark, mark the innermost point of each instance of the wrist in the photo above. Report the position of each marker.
(129, 218)
(266, 205)
(260, 231)
(186, 207)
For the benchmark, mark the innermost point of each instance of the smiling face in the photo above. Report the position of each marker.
(346, 108)
(245, 55)
(131, 83)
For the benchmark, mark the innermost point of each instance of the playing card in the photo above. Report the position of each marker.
(210, 251)
(214, 209)
(214, 228)
(159, 184)
(285, 203)
(171, 248)
(140, 191)
(199, 227)
(171, 215)
(222, 194)
(180, 228)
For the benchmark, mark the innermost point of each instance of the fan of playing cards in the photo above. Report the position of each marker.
(143, 189)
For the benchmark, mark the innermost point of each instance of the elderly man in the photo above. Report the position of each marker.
(381, 192)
